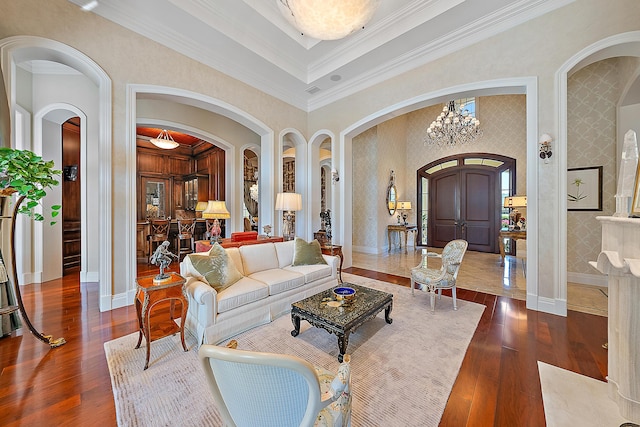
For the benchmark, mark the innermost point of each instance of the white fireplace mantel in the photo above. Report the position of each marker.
(619, 259)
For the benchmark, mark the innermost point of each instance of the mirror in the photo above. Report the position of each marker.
(391, 199)
(155, 199)
(392, 194)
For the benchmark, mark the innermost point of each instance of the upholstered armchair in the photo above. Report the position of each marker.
(264, 389)
(435, 279)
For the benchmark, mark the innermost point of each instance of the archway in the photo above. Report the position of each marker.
(18, 49)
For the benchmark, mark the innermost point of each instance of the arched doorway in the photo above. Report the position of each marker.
(459, 197)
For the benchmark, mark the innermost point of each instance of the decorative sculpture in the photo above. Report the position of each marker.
(162, 258)
(267, 230)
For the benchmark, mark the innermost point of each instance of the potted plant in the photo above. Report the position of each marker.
(27, 174)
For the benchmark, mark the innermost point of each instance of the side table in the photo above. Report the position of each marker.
(334, 250)
(151, 293)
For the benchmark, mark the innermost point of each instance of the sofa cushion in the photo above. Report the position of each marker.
(279, 280)
(258, 257)
(311, 272)
(285, 252)
(215, 268)
(234, 254)
(244, 291)
(307, 253)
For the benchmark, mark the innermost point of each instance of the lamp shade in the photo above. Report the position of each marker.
(404, 205)
(216, 209)
(201, 206)
(288, 202)
(515, 202)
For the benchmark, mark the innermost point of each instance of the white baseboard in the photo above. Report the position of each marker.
(366, 250)
(588, 279)
(123, 299)
(90, 276)
(29, 278)
(547, 305)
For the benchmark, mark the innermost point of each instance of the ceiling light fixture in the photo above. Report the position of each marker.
(453, 127)
(328, 19)
(164, 141)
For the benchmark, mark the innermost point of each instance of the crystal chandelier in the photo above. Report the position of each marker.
(328, 19)
(453, 127)
(253, 192)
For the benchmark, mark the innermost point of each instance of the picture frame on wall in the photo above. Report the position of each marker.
(584, 189)
(635, 205)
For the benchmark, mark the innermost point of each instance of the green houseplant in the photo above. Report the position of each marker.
(29, 175)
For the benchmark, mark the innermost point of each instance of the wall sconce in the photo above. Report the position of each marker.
(70, 172)
(334, 176)
(545, 147)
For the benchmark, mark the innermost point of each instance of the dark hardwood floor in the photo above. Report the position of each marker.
(498, 383)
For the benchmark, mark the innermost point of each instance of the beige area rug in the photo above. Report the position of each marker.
(402, 373)
(572, 399)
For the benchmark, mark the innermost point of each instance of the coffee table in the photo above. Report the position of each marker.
(320, 312)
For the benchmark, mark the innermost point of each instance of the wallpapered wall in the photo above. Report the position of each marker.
(398, 144)
(593, 93)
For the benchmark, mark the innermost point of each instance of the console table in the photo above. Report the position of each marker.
(504, 234)
(334, 250)
(619, 259)
(401, 228)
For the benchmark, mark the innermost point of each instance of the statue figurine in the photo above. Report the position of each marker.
(162, 257)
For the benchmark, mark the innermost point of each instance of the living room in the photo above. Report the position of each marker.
(523, 71)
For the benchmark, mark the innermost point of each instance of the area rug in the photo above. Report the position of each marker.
(572, 399)
(402, 373)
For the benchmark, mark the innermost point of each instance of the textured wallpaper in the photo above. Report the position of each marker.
(399, 144)
(593, 93)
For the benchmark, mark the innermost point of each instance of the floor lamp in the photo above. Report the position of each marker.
(216, 210)
(289, 203)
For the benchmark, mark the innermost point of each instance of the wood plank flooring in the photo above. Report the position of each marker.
(498, 384)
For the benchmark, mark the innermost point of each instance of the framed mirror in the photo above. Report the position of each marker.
(392, 194)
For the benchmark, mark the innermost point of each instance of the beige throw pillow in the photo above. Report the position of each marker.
(307, 253)
(215, 268)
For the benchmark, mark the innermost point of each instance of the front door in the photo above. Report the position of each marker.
(463, 206)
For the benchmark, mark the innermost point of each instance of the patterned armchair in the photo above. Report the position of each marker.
(431, 279)
(263, 389)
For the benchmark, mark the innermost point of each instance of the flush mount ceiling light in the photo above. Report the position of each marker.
(164, 141)
(328, 19)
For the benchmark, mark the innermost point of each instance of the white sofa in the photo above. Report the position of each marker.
(268, 287)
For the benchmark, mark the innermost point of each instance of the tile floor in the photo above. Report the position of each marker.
(482, 272)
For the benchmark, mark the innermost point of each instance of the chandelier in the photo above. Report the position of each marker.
(453, 127)
(327, 19)
(253, 192)
(164, 141)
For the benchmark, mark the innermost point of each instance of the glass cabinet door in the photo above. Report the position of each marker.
(155, 198)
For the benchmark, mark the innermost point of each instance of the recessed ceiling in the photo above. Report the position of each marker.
(251, 40)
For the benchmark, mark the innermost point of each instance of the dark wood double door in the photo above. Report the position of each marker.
(464, 205)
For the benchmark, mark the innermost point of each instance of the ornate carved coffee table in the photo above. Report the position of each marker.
(321, 311)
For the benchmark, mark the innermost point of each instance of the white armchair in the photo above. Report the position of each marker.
(432, 279)
(264, 389)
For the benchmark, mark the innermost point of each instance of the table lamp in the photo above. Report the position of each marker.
(404, 207)
(289, 203)
(200, 207)
(216, 210)
(515, 202)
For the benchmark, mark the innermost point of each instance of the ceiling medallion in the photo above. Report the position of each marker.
(328, 19)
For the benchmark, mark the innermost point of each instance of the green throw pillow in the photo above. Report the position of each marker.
(307, 253)
(217, 269)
